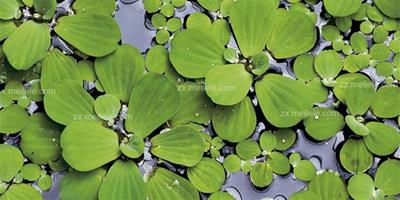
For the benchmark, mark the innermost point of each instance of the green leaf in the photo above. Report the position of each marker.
(174, 24)
(56, 67)
(182, 145)
(382, 139)
(252, 23)
(157, 59)
(303, 195)
(259, 63)
(40, 139)
(154, 100)
(6, 29)
(11, 161)
(123, 181)
(13, 119)
(228, 84)
(389, 7)
(328, 185)
(196, 105)
(133, 148)
(356, 126)
(305, 170)
(105, 7)
(342, 8)
(323, 123)
(21, 192)
(27, 45)
(92, 34)
(152, 6)
(386, 102)
(290, 26)
(166, 185)
(285, 138)
(120, 71)
(361, 186)
(207, 176)
(232, 163)
(88, 145)
(221, 29)
(328, 64)
(278, 162)
(267, 141)
(248, 149)
(220, 196)
(194, 52)
(235, 123)
(77, 105)
(107, 106)
(31, 172)
(45, 182)
(387, 176)
(303, 67)
(81, 185)
(86, 70)
(355, 157)
(45, 7)
(199, 21)
(356, 91)
(261, 174)
(270, 92)
(211, 5)
(8, 9)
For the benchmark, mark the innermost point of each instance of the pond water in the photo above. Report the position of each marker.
(136, 30)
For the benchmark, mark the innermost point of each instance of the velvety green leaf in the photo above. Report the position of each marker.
(248, 149)
(389, 7)
(329, 186)
(45, 182)
(11, 161)
(285, 138)
(386, 103)
(318, 91)
(356, 91)
(27, 45)
(45, 7)
(8, 9)
(88, 145)
(199, 21)
(221, 29)
(304, 195)
(328, 64)
(211, 5)
(304, 67)
(123, 181)
(290, 26)
(323, 123)
(267, 141)
(152, 6)
(382, 139)
(304, 170)
(166, 185)
(13, 119)
(356, 126)
(387, 176)
(182, 145)
(21, 192)
(207, 176)
(355, 157)
(194, 52)
(6, 28)
(270, 92)
(196, 105)
(69, 102)
(92, 34)
(259, 63)
(56, 67)
(81, 185)
(157, 59)
(220, 196)
(120, 71)
(278, 162)
(94, 6)
(228, 84)
(235, 123)
(31, 172)
(361, 186)
(40, 139)
(107, 106)
(154, 100)
(232, 163)
(252, 23)
(261, 174)
(133, 148)
(342, 8)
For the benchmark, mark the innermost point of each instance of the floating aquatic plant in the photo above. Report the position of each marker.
(233, 87)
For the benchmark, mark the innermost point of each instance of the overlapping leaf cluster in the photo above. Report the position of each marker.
(114, 121)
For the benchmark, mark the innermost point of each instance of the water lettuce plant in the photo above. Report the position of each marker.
(230, 88)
